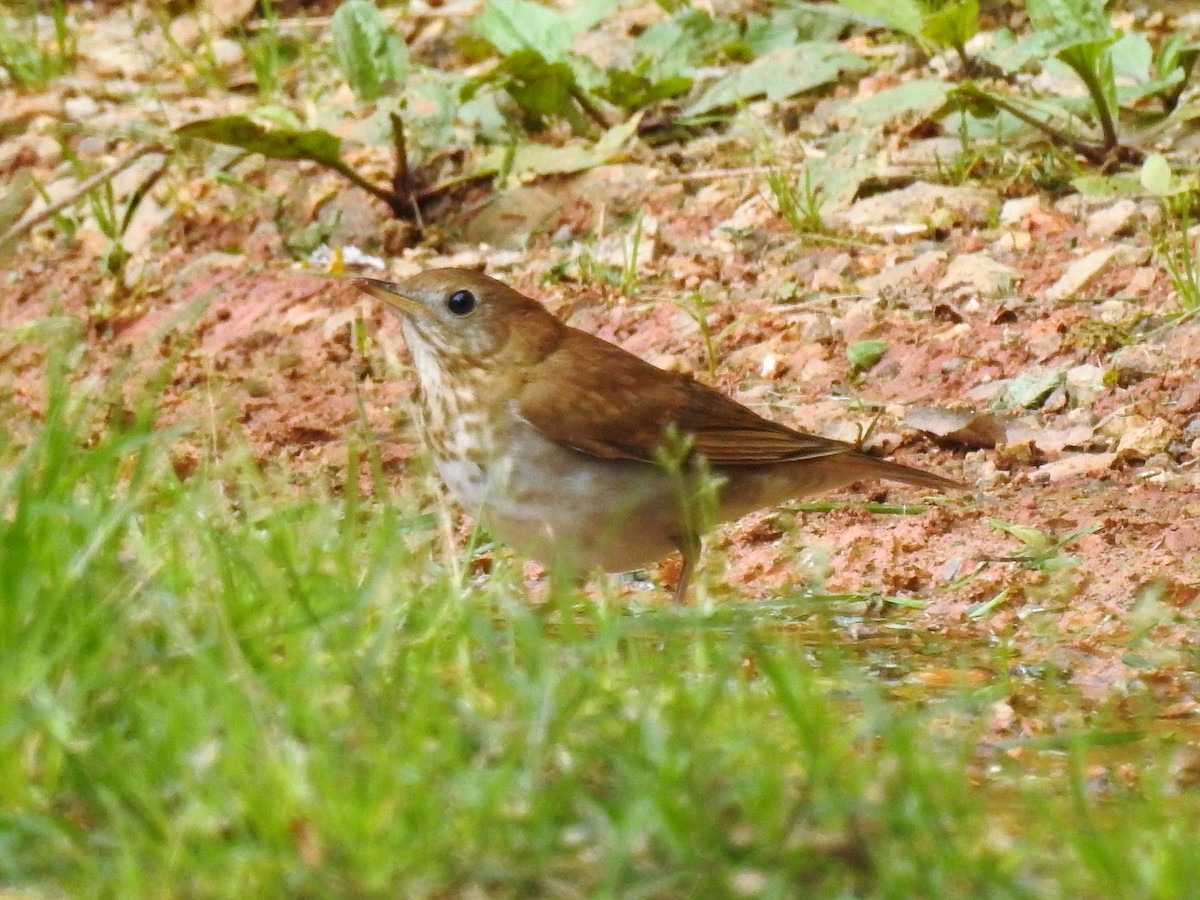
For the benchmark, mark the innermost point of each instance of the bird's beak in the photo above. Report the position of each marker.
(391, 294)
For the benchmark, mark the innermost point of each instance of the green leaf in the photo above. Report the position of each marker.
(923, 96)
(1156, 175)
(952, 25)
(633, 90)
(279, 143)
(531, 160)
(514, 25)
(905, 16)
(369, 54)
(779, 75)
(1120, 185)
(1132, 57)
(862, 355)
(690, 37)
(540, 87)
(764, 35)
(1072, 20)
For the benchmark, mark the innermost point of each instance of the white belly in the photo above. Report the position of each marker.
(570, 510)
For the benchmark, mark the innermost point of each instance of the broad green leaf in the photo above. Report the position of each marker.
(1031, 537)
(813, 21)
(278, 117)
(513, 25)
(779, 75)
(690, 37)
(764, 35)
(584, 15)
(531, 160)
(1138, 73)
(280, 143)
(633, 90)
(369, 54)
(1092, 62)
(905, 16)
(1156, 175)
(1121, 185)
(1012, 53)
(862, 355)
(1077, 20)
(923, 96)
(539, 86)
(952, 25)
(1132, 56)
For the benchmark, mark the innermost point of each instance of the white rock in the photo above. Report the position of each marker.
(754, 213)
(917, 208)
(1016, 212)
(979, 272)
(1013, 241)
(1113, 220)
(1078, 464)
(1084, 384)
(1142, 281)
(914, 271)
(1141, 360)
(226, 13)
(1142, 438)
(81, 108)
(1081, 273)
(227, 54)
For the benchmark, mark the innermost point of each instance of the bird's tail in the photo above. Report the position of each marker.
(874, 467)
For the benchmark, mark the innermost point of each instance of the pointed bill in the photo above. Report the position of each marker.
(391, 294)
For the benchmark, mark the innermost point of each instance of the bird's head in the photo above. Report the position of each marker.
(460, 313)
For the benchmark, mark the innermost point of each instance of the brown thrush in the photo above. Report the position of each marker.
(556, 438)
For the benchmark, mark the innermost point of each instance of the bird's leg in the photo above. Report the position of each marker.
(689, 549)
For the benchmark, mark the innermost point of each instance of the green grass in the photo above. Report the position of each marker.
(242, 684)
(29, 57)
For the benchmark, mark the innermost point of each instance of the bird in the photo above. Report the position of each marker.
(583, 456)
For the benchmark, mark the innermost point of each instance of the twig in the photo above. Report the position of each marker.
(393, 200)
(590, 109)
(29, 223)
(402, 180)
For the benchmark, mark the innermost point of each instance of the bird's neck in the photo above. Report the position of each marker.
(461, 403)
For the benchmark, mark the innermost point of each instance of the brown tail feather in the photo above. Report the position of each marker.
(873, 467)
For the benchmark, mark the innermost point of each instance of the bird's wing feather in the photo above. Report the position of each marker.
(602, 400)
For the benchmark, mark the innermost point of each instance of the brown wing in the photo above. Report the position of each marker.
(602, 400)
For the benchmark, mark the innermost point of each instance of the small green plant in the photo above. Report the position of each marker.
(112, 217)
(629, 276)
(268, 51)
(537, 66)
(1042, 551)
(798, 202)
(26, 57)
(863, 355)
(1174, 245)
(286, 139)
(934, 24)
(697, 306)
(1118, 70)
(1177, 255)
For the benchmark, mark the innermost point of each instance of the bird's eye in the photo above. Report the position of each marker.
(461, 303)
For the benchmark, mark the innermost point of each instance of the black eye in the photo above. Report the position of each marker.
(461, 303)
